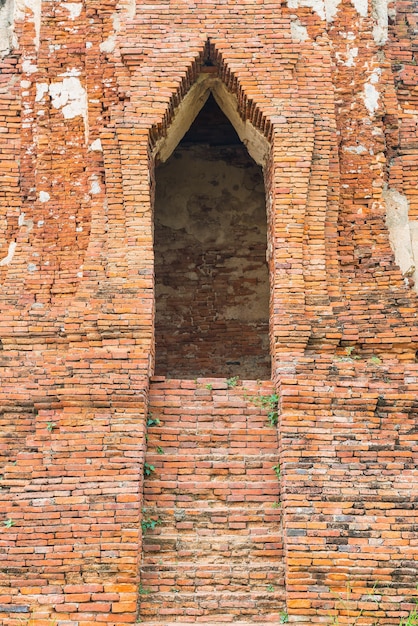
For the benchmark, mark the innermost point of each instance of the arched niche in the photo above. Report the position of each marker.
(210, 241)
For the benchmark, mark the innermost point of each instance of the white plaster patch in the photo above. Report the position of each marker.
(41, 90)
(20, 14)
(361, 6)
(10, 254)
(74, 9)
(371, 94)
(298, 31)
(96, 146)
(355, 149)
(95, 187)
(316, 5)
(44, 196)
(108, 45)
(28, 67)
(70, 96)
(403, 234)
(348, 58)
(352, 53)
(380, 19)
(325, 9)
(331, 9)
(22, 221)
(71, 71)
(6, 27)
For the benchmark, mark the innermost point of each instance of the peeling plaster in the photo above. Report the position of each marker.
(22, 221)
(95, 186)
(96, 146)
(371, 94)
(70, 96)
(10, 254)
(28, 67)
(6, 27)
(20, 14)
(74, 9)
(108, 45)
(361, 6)
(44, 196)
(355, 149)
(325, 9)
(17, 11)
(403, 233)
(380, 17)
(41, 90)
(299, 31)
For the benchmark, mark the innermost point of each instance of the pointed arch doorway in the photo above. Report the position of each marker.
(210, 242)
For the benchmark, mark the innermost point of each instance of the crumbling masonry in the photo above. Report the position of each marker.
(208, 265)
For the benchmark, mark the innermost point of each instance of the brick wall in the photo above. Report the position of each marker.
(85, 94)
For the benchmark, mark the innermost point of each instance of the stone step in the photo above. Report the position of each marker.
(212, 465)
(192, 577)
(193, 448)
(212, 603)
(239, 520)
(221, 620)
(172, 493)
(211, 549)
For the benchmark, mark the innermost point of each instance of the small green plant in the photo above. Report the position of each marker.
(152, 421)
(232, 382)
(50, 426)
(276, 505)
(271, 403)
(347, 604)
(149, 524)
(148, 469)
(175, 590)
(277, 470)
(209, 386)
(8, 523)
(412, 619)
(143, 591)
(375, 360)
(270, 588)
(349, 356)
(159, 450)
(284, 617)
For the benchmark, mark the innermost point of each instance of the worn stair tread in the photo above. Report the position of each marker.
(200, 566)
(220, 621)
(215, 457)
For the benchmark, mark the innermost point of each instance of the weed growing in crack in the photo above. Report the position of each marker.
(148, 469)
(152, 421)
(271, 403)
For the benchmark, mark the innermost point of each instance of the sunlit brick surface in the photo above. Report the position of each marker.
(88, 93)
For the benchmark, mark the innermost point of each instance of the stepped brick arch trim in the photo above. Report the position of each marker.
(210, 63)
(286, 157)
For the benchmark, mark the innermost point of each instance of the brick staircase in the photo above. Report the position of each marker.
(215, 555)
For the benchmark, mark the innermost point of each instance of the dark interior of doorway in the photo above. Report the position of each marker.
(210, 239)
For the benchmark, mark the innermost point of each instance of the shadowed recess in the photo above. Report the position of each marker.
(212, 287)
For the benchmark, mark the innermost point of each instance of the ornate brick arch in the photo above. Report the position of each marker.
(282, 139)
